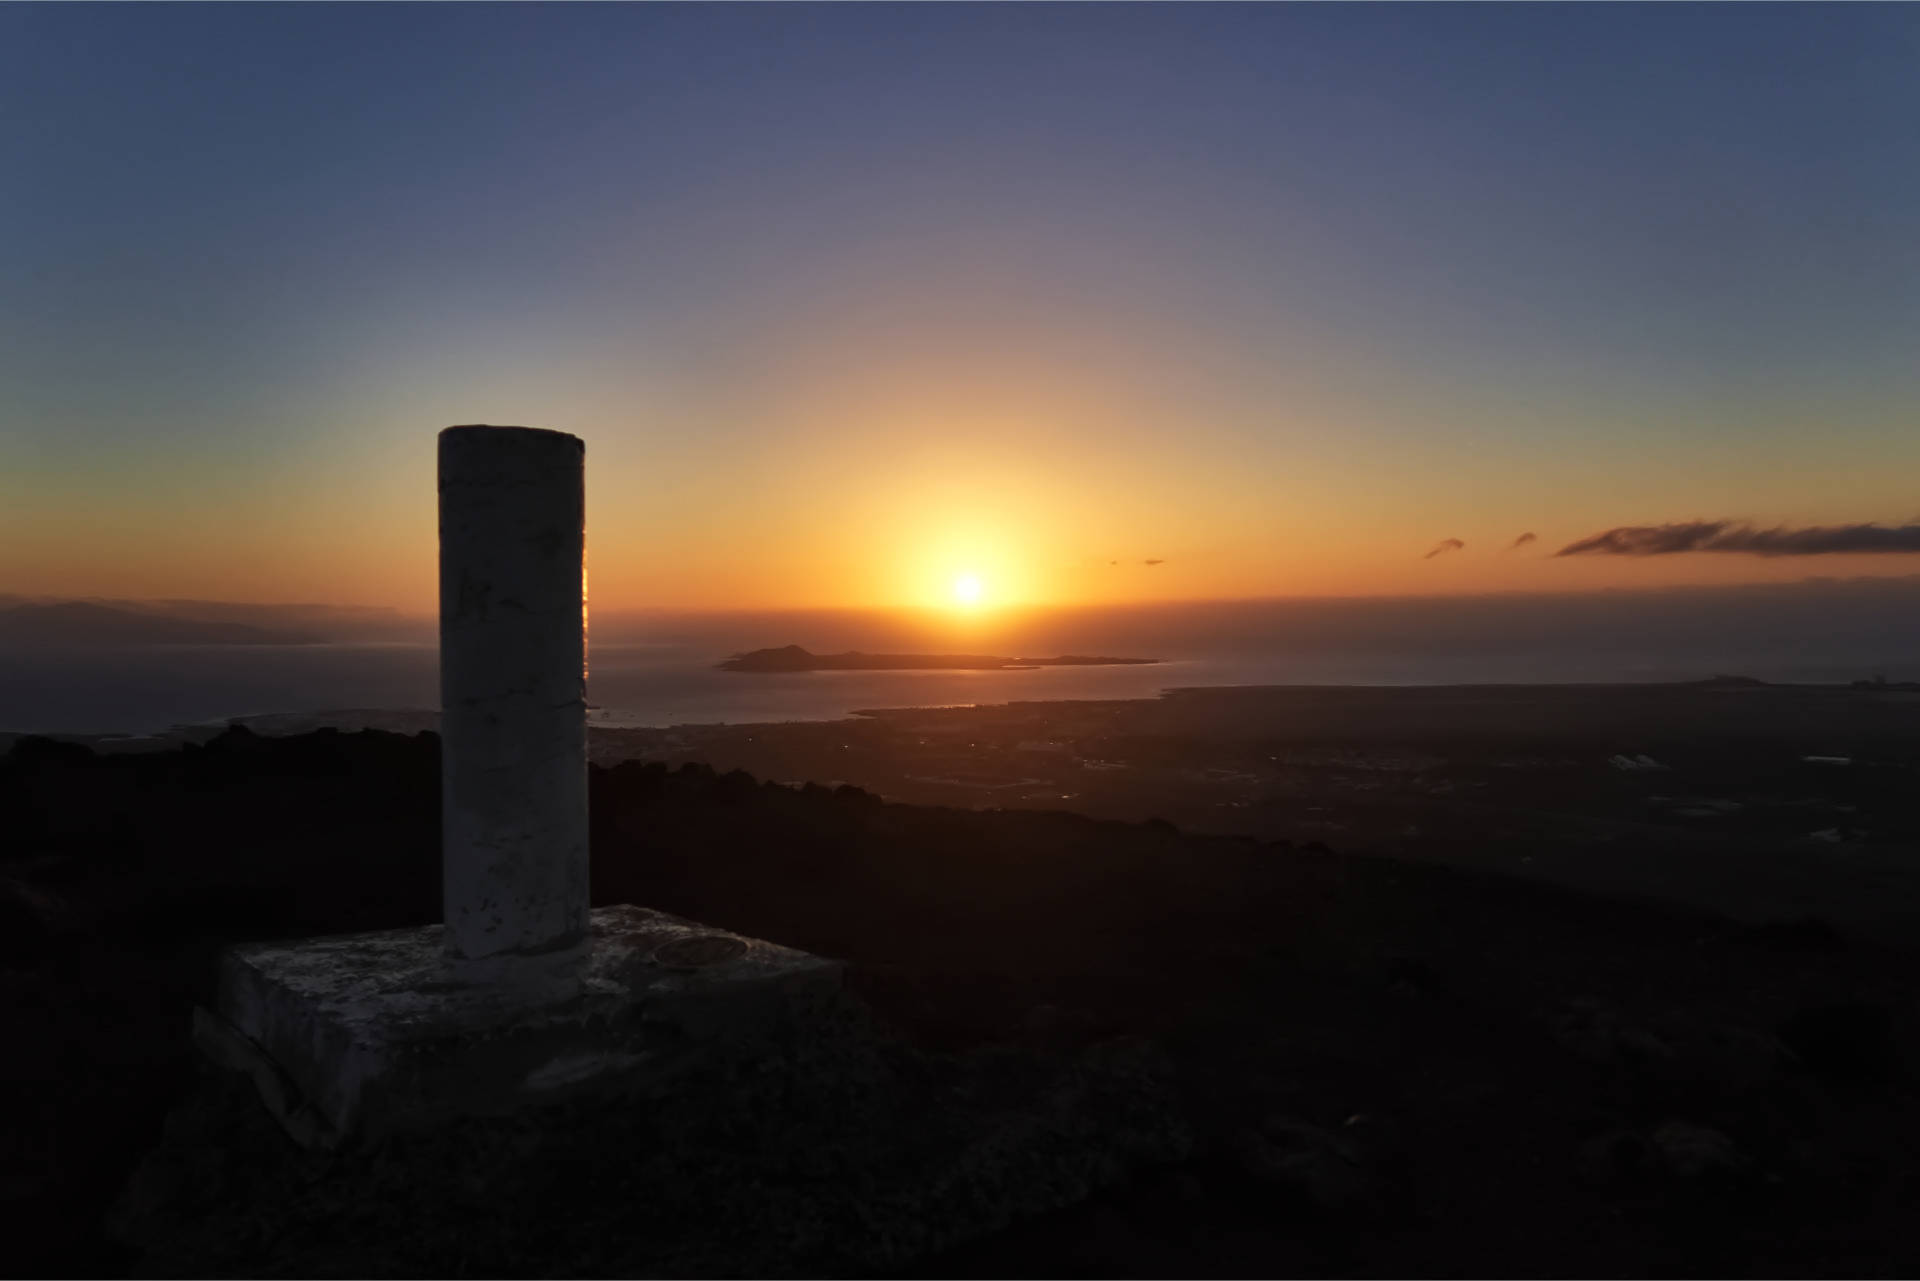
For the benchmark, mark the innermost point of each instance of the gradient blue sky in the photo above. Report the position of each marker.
(848, 300)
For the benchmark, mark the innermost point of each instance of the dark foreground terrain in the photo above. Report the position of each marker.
(1339, 1064)
(1748, 799)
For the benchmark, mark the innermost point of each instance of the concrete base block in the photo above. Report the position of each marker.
(357, 1036)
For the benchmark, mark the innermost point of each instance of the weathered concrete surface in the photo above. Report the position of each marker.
(360, 1035)
(846, 1159)
(513, 699)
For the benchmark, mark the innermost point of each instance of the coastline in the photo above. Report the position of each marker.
(613, 719)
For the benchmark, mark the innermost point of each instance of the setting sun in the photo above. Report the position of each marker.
(967, 589)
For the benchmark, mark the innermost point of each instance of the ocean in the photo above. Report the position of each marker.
(146, 690)
(657, 669)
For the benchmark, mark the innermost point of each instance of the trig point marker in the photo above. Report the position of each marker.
(523, 995)
(513, 719)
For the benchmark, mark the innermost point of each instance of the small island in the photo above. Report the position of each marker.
(792, 658)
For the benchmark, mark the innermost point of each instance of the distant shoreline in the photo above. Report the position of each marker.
(415, 719)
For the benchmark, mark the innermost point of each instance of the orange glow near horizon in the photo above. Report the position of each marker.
(881, 487)
(868, 446)
(1089, 340)
(886, 539)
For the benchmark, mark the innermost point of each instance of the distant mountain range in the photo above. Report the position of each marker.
(44, 622)
(792, 658)
(42, 625)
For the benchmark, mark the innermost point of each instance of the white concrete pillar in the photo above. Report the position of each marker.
(513, 727)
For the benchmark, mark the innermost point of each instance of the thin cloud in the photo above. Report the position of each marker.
(1522, 541)
(1729, 536)
(1443, 546)
(1155, 561)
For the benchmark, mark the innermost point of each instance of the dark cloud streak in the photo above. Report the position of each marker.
(1729, 536)
(1443, 546)
(1522, 541)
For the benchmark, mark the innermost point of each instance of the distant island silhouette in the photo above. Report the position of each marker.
(792, 658)
(61, 624)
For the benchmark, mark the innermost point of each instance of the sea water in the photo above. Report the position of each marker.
(148, 689)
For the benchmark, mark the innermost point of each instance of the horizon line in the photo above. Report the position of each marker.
(403, 612)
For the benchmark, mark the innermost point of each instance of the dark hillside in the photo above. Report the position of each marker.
(1392, 1068)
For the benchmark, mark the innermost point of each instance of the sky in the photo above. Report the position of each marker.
(851, 303)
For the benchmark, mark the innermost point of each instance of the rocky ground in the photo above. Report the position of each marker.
(1219, 1056)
